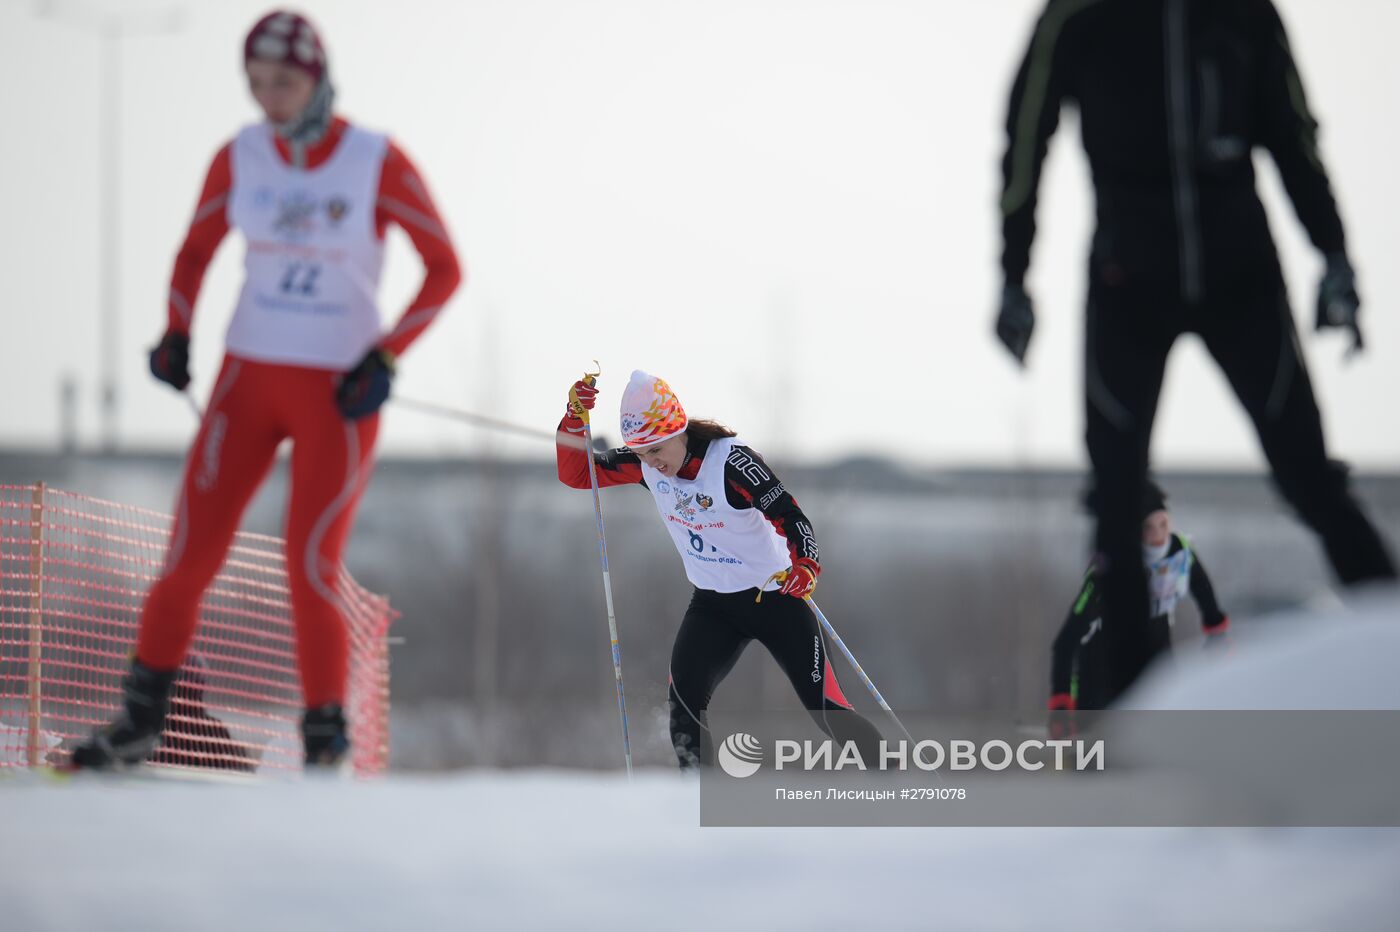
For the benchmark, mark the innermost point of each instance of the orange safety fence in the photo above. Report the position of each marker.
(73, 574)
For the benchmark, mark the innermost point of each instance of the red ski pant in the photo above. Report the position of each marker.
(253, 408)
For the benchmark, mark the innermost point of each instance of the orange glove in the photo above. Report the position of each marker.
(801, 578)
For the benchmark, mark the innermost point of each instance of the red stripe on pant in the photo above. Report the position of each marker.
(831, 690)
(253, 408)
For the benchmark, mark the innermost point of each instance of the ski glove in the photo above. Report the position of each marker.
(1016, 321)
(1338, 304)
(1061, 724)
(170, 360)
(1218, 636)
(582, 397)
(1221, 626)
(364, 388)
(801, 578)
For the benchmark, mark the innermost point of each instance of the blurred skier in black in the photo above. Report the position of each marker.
(1078, 669)
(1173, 98)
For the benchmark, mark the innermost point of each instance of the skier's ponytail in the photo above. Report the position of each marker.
(706, 429)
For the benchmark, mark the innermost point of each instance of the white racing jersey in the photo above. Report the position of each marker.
(313, 257)
(724, 549)
(1169, 580)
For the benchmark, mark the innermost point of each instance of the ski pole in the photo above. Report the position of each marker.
(855, 665)
(482, 420)
(781, 576)
(583, 413)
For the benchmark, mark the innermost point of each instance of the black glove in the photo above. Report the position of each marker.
(170, 360)
(1338, 304)
(1016, 321)
(364, 388)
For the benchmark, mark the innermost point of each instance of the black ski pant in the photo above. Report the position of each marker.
(1091, 682)
(1250, 333)
(716, 629)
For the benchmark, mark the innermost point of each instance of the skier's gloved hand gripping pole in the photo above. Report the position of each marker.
(170, 363)
(805, 594)
(581, 407)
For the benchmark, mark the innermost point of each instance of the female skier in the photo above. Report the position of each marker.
(1078, 677)
(736, 527)
(306, 359)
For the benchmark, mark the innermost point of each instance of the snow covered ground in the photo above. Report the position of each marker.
(550, 850)
(542, 849)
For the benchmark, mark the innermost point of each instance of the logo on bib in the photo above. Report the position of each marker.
(684, 506)
(703, 501)
(296, 215)
(336, 209)
(663, 486)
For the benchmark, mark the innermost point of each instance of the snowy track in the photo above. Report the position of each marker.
(549, 850)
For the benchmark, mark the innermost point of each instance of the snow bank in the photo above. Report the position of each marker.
(1340, 657)
(546, 850)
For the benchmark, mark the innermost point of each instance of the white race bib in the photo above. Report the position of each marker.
(724, 549)
(313, 258)
(1168, 582)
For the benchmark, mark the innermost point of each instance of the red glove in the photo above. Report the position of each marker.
(582, 397)
(1061, 724)
(801, 578)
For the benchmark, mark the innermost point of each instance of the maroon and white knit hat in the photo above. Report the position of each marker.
(289, 38)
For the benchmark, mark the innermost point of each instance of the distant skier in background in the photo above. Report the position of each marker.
(307, 360)
(735, 526)
(1174, 96)
(1079, 665)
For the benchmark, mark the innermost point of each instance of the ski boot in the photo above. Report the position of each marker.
(323, 731)
(130, 737)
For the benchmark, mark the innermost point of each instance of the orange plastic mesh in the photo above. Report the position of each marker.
(73, 574)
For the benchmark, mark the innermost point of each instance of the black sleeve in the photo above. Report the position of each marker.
(1212, 616)
(620, 464)
(749, 483)
(1031, 118)
(1289, 132)
(1081, 615)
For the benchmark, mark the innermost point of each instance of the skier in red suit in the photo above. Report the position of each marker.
(307, 359)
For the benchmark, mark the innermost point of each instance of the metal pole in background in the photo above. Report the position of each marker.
(109, 225)
(36, 627)
(112, 23)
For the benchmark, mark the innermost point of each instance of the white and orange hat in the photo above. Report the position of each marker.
(651, 412)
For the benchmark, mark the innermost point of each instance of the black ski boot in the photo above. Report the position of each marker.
(130, 737)
(323, 731)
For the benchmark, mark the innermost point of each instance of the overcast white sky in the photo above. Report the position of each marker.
(785, 208)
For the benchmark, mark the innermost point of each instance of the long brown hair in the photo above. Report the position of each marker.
(706, 429)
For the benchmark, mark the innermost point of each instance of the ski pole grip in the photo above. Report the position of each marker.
(780, 576)
(589, 379)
